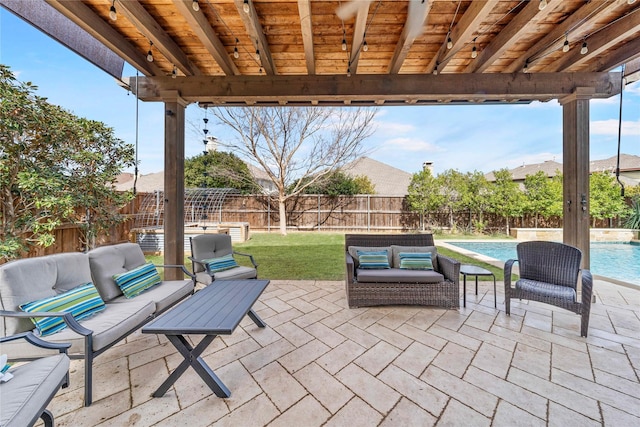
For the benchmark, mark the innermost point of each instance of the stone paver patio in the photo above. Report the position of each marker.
(321, 363)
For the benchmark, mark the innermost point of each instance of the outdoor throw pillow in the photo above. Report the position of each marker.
(222, 263)
(135, 281)
(415, 261)
(81, 302)
(373, 259)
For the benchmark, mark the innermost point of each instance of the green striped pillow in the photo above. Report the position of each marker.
(135, 281)
(81, 302)
(415, 261)
(222, 263)
(373, 259)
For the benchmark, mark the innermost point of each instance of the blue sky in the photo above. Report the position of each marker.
(465, 138)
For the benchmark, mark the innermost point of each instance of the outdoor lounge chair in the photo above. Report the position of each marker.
(549, 273)
(211, 257)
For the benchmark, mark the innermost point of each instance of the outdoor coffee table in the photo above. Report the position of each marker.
(212, 311)
(474, 270)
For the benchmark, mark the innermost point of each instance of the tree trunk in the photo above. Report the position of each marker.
(507, 224)
(283, 216)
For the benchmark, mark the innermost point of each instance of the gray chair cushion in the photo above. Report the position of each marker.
(32, 387)
(395, 275)
(163, 295)
(207, 246)
(31, 279)
(109, 260)
(546, 289)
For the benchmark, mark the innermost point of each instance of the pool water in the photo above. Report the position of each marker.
(616, 260)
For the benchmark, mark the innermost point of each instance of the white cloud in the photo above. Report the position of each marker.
(394, 128)
(610, 127)
(633, 88)
(412, 144)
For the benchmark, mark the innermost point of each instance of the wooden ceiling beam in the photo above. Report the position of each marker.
(599, 42)
(462, 33)
(554, 40)
(256, 34)
(149, 27)
(373, 88)
(508, 36)
(201, 26)
(359, 30)
(93, 24)
(304, 9)
(626, 54)
(407, 37)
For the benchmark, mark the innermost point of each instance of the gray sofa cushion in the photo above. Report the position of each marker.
(31, 387)
(163, 295)
(109, 260)
(353, 251)
(236, 273)
(395, 275)
(395, 250)
(30, 279)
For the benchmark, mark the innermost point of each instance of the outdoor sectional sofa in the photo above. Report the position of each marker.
(387, 286)
(32, 279)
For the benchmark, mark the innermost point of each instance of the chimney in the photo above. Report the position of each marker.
(427, 166)
(212, 144)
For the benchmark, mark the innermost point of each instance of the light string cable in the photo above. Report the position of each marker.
(543, 53)
(447, 58)
(351, 55)
(219, 18)
(135, 168)
(449, 41)
(620, 132)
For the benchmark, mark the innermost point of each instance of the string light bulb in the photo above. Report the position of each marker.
(245, 6)
(584, 50)
(474, 52)
(435, 70)
(542, 5)
(631, 1)
(526, 67)
(257, 54)
(236, 54)
(174, 73)
(565, 45)
(449, 43)
(344, 44)
(349, 71)
(195, 5)
(365, 46)
(149, 53)
(112, 11)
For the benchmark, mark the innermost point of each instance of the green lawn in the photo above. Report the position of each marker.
(313, 256)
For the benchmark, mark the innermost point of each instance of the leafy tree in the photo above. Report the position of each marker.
(54, 168)
(473, 196)
(297, 146)
(505, 198)
(452, 184)
(556, 185)
(424, 194)
(338, 183)
(219, 169)
(540, 195)
(605, 200)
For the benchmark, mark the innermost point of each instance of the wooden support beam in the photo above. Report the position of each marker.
(368, 89)
(256, 34)
(407, 38)
(628, 53)
(174, 107)
(575, 161)
(201, 26)
(463, 33)
(304, 9)
(508, 36)
(93, 24)
(358, 36)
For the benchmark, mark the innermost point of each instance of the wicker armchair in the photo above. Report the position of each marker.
(444, 292)
(549, 274)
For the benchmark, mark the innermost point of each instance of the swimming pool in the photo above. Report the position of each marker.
(616, 260)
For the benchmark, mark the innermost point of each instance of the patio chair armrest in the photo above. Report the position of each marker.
(68, 318)
(449, 267)
(182, 267)
(350, 268)
(31, 338)
(587, 288)
(508, 266)
(250, 258)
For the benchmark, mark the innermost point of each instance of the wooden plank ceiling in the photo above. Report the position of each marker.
(293, 51)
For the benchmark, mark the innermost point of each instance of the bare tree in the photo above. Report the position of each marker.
(297, 146)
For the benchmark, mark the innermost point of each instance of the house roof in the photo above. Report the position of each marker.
(387, 180)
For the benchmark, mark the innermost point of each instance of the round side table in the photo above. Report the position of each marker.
(474, 270)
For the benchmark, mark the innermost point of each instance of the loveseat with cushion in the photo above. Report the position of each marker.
(414, 272)
(84, 284)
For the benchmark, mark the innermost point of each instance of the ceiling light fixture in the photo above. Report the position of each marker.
(344, 44)
(584, 50)
(565, 45)
(474, 50)
(149, 53)
(195, 5)
(174, 73)
(112, 11)
(449, 43)
(365, 46)
(542, 5)
(245, 6)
